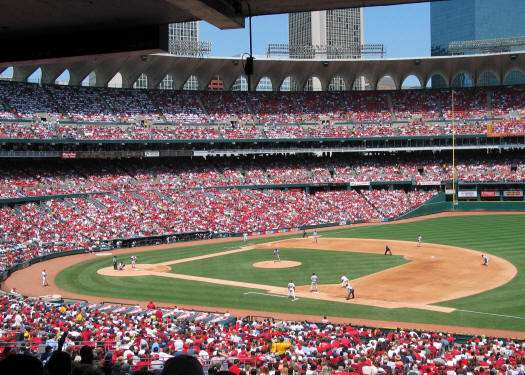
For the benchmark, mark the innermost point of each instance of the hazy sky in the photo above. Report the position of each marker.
(403, 29)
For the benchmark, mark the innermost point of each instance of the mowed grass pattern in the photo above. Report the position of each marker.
(501, 235)
(328, 265)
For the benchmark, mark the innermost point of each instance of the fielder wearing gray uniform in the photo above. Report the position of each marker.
(313, 284)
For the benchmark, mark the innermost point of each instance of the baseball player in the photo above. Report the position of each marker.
(419, 239)
(245, 237)
(276, 256)
(485, 260)
(305, 235)
(344, 281)
(387, 250)
(114, 262)
(291, 290)
(314, 240)
(313, 283)
(350, 291)
(133, 261)
(44, 278)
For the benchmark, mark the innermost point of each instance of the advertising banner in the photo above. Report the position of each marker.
(429, 183)
(467, 194)
(151, 154)
(489, 194)
(68, 155)
(513, 193)
(360, 183)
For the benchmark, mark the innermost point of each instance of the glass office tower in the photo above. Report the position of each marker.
(474, 20)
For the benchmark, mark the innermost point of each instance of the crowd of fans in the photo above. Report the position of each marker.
(82, 338)
(56, 225)
(88, 177)
(266, 109)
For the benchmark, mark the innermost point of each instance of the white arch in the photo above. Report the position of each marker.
(7, 73)
(240, 84)
(440, 81)
(116, 81)
(192, 83)
(488, 78)
(513, 77)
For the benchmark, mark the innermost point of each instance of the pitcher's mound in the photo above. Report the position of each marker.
(281, 264)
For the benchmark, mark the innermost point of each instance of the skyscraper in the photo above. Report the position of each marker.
(473, 20)
(183, 40)
(336, 33)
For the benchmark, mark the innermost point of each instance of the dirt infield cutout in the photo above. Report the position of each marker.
(435, 273)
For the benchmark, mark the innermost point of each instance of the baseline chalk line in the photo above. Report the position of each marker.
(492, 314)
(270, 294)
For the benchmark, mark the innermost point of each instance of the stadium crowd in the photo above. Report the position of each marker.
(168, 114)
(33, 179)
(118, 340)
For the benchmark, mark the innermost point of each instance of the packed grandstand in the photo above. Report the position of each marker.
(57, 196)
(120, 339)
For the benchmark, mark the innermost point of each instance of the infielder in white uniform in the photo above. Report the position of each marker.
(344, 281)
(44, 278)
(291, 289)
(245, 237)
(419, 239)
(313, 284)
(314, 238)
(133, 261)
(485, 260)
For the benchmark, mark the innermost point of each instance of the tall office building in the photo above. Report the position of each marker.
(330, 34)
(495, 23)
(183, 40)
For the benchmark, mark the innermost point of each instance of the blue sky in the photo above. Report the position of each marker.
(403, 29)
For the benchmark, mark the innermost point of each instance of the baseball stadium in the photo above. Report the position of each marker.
(229, 228)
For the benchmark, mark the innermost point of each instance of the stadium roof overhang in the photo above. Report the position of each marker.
(32, 30)
(156, 67)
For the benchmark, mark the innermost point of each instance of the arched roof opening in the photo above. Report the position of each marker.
(488, 79)
(116, 81)
(240, 84)
(411, 82)
(265, 84)
(515, 77)
(337, 83)
(386, 83)
(63, 78)
(166, 83)
(462, 79)
(192, 83)
(437, 81)
(35, 76)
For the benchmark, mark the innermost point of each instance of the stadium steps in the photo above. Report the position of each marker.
(159, 112)
(391, 107)
(489, 102)
(203, 107)
(96, 203)
(140, 197)
(103, 99)
(371, 204)
(6, 105)
(162, 196)
(61, 109)
(252, 112)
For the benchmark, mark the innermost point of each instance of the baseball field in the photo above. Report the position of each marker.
(442, 283)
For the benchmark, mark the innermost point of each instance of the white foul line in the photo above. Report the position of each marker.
(271, 295)
(485, 313)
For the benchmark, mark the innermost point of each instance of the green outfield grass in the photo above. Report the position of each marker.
(502, 235)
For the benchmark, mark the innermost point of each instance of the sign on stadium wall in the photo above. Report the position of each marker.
(151, 154)
(429, 183)
(489, 194)
(467, 194)
(449, 191)
(68, 155)
(360, 183)
(513, 193)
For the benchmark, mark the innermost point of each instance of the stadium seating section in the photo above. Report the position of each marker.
(124, 339)
(86, 113)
